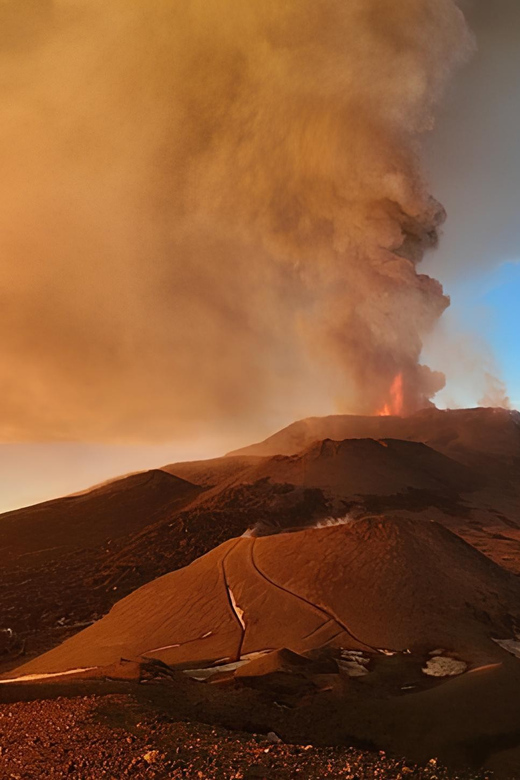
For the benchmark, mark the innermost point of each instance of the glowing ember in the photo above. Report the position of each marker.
(394, 406)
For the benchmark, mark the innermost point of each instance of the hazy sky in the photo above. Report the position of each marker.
(30, 473)
(474, 170)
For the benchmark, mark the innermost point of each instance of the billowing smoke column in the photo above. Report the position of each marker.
(214, 209)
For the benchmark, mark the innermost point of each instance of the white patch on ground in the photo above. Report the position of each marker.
(443, 666)
(354, 663)
(179, 644)
(511, 645)
(223, 665)
(209, 671)
(255, 654)
(158, 649)
(330, 522)
(236, 609)
(30, 677)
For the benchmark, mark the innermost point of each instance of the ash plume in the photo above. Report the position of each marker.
(215, 210)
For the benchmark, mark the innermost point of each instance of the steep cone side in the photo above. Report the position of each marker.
(377, 583)
(367, 466)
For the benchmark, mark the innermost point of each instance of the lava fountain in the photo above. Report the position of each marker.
(394, 405)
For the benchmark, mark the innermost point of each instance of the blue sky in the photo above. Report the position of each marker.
(503, 326)
(479, 335)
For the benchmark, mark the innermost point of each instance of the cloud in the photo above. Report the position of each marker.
(214, 210)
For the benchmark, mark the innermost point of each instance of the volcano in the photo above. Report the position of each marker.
(345, 578)
(378, 583)
(117, 537)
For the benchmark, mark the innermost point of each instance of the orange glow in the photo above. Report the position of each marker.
(394, 406)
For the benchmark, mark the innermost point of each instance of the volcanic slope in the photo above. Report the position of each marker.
(123, 534)
(119, 508)
(485, 440)
(360, 476)
(215, 471)
(466, 435)
(378, 583)
(364, 466)
(120, 536)
(48, 548)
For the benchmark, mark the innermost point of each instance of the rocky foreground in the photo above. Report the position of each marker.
(113, 736)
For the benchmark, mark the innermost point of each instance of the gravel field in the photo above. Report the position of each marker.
(113, 736)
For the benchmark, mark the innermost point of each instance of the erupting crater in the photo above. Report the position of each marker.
(395, 404)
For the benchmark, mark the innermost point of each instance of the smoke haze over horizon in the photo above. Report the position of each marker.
(213, 213)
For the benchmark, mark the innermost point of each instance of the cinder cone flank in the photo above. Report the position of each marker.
(379, 583)
(367, 466)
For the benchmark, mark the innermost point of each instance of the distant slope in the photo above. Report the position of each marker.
(480, 502)
(366, 466)
(459, 433)
(119, 508)
(213, 472)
